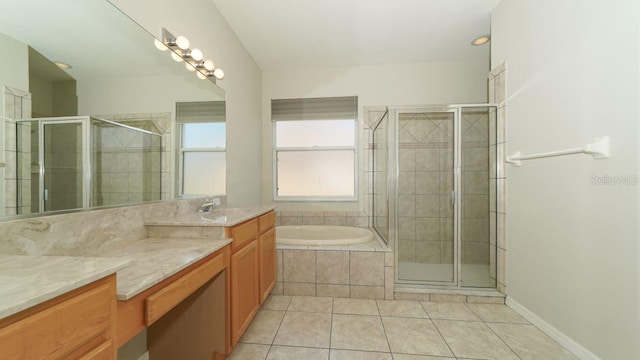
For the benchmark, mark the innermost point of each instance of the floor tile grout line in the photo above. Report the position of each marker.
(443, 338)
(277, 330)
(503, 341)
(331, 327)
(384, 329)
(490, 329)
(425, 310)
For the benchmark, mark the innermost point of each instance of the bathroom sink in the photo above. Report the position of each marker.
(230, 212)
(221, 216)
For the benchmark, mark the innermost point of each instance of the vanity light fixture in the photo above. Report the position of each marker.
(176, 57)
(218, 73)
(196, 54)
(159, 45)
(193, 58)
(481, 40)
(209, 65)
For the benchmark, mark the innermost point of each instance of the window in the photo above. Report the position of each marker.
(202, 148)
(315, 148)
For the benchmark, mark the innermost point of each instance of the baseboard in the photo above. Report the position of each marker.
(557, 335)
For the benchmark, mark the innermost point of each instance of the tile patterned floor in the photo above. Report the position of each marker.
(310, 328)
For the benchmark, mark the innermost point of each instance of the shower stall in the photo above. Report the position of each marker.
(434, 193)
(78, 162)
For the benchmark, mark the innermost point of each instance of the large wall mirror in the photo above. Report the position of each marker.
(95, 115)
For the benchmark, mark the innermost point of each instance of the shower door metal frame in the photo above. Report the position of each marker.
(388, 238)
(86, 162)
(394, 174)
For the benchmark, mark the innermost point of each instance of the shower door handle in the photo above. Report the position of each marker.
(453, 197)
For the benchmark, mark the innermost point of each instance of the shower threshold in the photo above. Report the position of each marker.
(474, 275)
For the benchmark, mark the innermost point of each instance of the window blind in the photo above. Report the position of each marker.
(327, 108)
(200, 112)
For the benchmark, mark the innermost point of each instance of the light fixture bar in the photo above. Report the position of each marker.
(179, 45)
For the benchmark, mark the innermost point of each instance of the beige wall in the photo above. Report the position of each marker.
(203, 24)
(397, 84)
(572, 75)
(14, 63)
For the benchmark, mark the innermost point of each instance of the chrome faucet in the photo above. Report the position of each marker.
(209, 205)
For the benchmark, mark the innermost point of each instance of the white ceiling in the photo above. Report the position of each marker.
(337, 33)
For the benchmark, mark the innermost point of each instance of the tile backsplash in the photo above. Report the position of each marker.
(337, 218)
(86, 231)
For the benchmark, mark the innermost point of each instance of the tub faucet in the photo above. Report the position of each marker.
(209, 205)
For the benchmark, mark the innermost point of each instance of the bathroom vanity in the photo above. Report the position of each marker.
(252, 263)
(194, 283)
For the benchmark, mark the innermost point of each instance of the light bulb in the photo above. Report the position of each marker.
(189, 66)
(196, 54)
(176, 57)
(201, 75)
(218, 73)
(209, 65)
(159, 45)
(182, 42)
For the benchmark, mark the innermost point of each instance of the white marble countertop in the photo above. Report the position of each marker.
(26, 281)
(155, 259)
(217, 217)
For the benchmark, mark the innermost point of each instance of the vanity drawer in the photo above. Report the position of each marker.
(243, 233)
(171, 295)
(62, 328)
(267, 221)
(102, 352)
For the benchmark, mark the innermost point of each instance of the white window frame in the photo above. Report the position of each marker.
(353, 148)
(182, 151)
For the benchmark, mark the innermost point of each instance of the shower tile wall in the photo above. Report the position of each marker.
(425, 222)
(16, 104)
(129, 162)
(335, 218)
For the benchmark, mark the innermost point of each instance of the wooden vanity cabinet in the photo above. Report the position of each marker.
(244, 289)
(252, 269)
(77, 325)
(245, 298)
(267, 253)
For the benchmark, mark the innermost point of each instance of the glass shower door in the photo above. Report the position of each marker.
(426, 199)
(62, 165)
(380, 174)
(478, 193)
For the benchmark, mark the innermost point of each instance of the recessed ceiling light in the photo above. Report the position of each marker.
(481, 40)
(62, 65)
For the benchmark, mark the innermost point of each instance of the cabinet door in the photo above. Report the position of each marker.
(60, 327)
(244, 289)
(267, 243)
